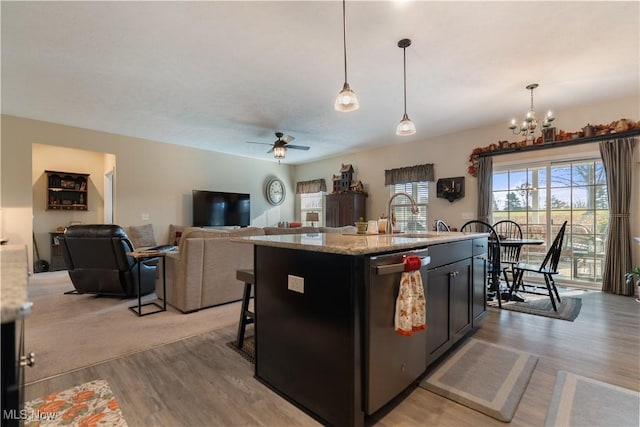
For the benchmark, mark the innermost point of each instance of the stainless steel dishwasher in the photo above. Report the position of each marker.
(393, 361)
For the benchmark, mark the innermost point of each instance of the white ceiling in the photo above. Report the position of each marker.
(213, 75)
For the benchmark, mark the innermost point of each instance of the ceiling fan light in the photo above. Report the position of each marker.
(406, 127)
(278, 152)
(346, 100)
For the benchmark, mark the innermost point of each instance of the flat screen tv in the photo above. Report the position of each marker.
(220, 209)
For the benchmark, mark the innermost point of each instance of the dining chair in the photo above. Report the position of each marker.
(509, 254)
(548, 268)
(440, 225)
(493, 262)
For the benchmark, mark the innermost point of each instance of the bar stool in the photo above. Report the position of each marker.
(247, 316)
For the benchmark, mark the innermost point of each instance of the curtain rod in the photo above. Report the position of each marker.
(567, 143)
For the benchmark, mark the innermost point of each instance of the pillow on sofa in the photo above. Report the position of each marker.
(345, 229)
(142, 236)
(175, 232)
(295, 230)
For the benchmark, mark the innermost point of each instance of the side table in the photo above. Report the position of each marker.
(142, 256)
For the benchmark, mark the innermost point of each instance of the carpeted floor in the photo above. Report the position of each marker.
(68, 332)
(483, 376)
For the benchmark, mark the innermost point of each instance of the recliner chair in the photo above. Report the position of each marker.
(96, 257)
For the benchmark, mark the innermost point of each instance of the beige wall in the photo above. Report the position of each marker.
(450, 154)
(151, 177)
(157, 178)
(49, 157)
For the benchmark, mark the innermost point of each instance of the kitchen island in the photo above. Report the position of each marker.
(325, 305)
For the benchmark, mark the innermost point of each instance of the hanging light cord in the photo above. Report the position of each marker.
(532, 98)
(344, 37)
(404, 54)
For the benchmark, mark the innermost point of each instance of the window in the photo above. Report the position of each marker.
(541, 196)
(312, 202)
(401, 207)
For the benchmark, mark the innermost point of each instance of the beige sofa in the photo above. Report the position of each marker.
(203, 272)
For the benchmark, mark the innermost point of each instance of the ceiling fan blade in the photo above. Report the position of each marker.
(298, 147)
(288, 138)
(270, 151)
(261, 143)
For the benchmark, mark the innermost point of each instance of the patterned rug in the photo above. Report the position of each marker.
(89, 404)
(247, 351)
(579, 401)
(486, 377)
(568, 309)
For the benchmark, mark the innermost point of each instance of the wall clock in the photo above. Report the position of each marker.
(275, 191)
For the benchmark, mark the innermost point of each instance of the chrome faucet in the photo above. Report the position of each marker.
(414, 210)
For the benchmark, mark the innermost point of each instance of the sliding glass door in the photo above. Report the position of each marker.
(541, 196)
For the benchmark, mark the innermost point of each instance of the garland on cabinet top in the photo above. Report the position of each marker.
(621, 125)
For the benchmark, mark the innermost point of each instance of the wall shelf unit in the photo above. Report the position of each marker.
(67, 191)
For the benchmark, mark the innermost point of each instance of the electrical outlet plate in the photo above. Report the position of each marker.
(295, 283)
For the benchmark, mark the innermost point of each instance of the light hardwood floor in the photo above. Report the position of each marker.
(199, 381)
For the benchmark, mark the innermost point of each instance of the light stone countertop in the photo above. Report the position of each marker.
(356, 244)
(14, 274)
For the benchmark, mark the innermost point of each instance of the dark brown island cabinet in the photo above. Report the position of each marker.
(325, 308)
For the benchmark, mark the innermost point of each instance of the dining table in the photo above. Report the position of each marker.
(517, 242)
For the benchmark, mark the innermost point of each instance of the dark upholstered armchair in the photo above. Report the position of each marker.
(96, 257)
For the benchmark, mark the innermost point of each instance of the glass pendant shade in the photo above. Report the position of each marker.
(405, 127)
(346, 100)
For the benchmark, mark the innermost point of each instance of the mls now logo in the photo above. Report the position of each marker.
(24, 414)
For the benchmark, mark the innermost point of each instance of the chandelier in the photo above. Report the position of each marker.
(529, 125)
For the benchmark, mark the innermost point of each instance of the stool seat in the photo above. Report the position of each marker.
(247, 317)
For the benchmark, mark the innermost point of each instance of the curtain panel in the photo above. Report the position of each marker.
(617, 159)
(485, 188)
(313, 186)
(417, 173)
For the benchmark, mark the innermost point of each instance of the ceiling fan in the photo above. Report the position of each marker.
(280, 146)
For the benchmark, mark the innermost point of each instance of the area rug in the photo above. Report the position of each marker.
(89, 404)
(568, 309)
(248, 350)
(579, 401)
(486, 377)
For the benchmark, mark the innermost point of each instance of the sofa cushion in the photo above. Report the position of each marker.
(295, 230)
(346, 229)
(141, 235)
(219, 233)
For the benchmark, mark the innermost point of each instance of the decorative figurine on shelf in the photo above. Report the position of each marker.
(357, 186)
(346, 173)
(344, 182)
(336, 183)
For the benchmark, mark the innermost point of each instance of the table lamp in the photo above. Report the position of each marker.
(312, 217)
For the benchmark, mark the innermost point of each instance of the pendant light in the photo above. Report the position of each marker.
(406, 126)
(346, 100)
